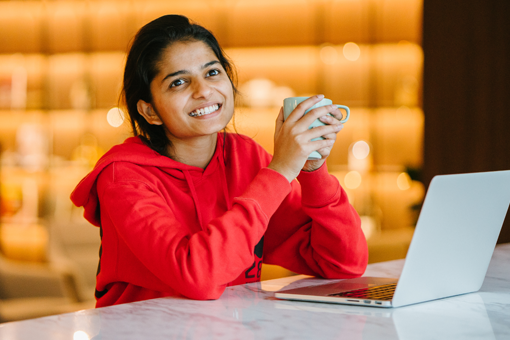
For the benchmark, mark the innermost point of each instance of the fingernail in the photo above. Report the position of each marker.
(320, 96)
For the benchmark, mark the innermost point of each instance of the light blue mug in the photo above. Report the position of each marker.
(289, 104)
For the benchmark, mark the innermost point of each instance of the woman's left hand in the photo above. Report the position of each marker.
(312, 165)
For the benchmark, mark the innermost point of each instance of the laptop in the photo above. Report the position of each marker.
(449, 255)
(445, 319)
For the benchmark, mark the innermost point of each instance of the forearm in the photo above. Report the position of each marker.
(326, 237)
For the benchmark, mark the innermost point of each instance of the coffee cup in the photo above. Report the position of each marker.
(289, 104)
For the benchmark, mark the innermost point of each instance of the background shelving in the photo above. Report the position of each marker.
(61, 68)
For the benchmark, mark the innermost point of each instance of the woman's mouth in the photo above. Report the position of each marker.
(205, 110)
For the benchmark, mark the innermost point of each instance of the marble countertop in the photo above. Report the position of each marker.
(251, 312)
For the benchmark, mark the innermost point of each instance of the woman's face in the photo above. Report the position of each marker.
(191, 94)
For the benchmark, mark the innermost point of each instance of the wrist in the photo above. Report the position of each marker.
(288, 174)
(313, 165)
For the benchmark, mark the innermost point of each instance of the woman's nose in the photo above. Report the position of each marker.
(201, 89)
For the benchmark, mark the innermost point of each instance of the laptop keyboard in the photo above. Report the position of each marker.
(384, 292)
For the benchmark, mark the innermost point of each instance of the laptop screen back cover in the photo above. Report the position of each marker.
(455, 236)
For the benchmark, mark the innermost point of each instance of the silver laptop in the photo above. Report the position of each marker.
(449, 255)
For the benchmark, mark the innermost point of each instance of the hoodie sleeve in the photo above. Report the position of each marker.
(196, 264)
(316, 231)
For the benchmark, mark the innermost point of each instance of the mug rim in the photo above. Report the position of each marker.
(305, 98)
(294, 101)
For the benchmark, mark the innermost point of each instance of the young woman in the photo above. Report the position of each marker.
(186, 209)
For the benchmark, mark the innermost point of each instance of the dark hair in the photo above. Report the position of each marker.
(142, 66)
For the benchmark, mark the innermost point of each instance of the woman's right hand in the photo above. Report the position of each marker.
(293, 140)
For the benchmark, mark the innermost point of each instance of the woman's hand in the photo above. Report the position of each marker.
(293, 140)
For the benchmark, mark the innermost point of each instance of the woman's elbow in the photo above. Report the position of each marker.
(204, 292)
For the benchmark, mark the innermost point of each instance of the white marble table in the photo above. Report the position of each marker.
(251, 312)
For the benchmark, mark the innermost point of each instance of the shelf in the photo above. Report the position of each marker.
(74, 26)
(382, 75)
(395, 134)
(65, 130)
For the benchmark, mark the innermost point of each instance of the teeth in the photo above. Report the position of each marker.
(204, 111)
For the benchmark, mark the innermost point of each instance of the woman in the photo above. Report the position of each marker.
(186, 209)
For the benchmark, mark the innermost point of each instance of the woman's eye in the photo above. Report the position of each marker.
(177, 82)
(214, 72)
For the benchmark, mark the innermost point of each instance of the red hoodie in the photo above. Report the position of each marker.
(170, 229)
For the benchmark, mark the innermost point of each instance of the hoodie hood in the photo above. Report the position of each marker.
(135, 151)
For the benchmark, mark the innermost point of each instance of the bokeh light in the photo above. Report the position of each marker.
(360, 149)
(351, 51)
(115, 117)
(403, 181)
(80, 335)
(352, 180)
(328, 55)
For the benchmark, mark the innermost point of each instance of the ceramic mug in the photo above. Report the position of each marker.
(289, 104)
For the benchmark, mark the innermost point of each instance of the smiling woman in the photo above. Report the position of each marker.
(192, 99)
(168, 60)
(187, 209)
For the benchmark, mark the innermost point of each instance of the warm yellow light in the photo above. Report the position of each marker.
(115, 117)
(409, 83)
(24, 242)
(368, 226)
(352, 180)
(403, 181)
(328, 55)
(404, 114)
(404, 43)
(80, 335)
(360, 149)
(351, 51)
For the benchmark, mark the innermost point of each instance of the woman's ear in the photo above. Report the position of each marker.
(148, 113)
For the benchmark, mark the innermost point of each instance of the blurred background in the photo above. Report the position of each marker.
(61, 65)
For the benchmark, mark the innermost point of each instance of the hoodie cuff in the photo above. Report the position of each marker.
(269, 188)
(318, 187)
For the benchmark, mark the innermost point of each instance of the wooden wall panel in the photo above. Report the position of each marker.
(466, 88)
